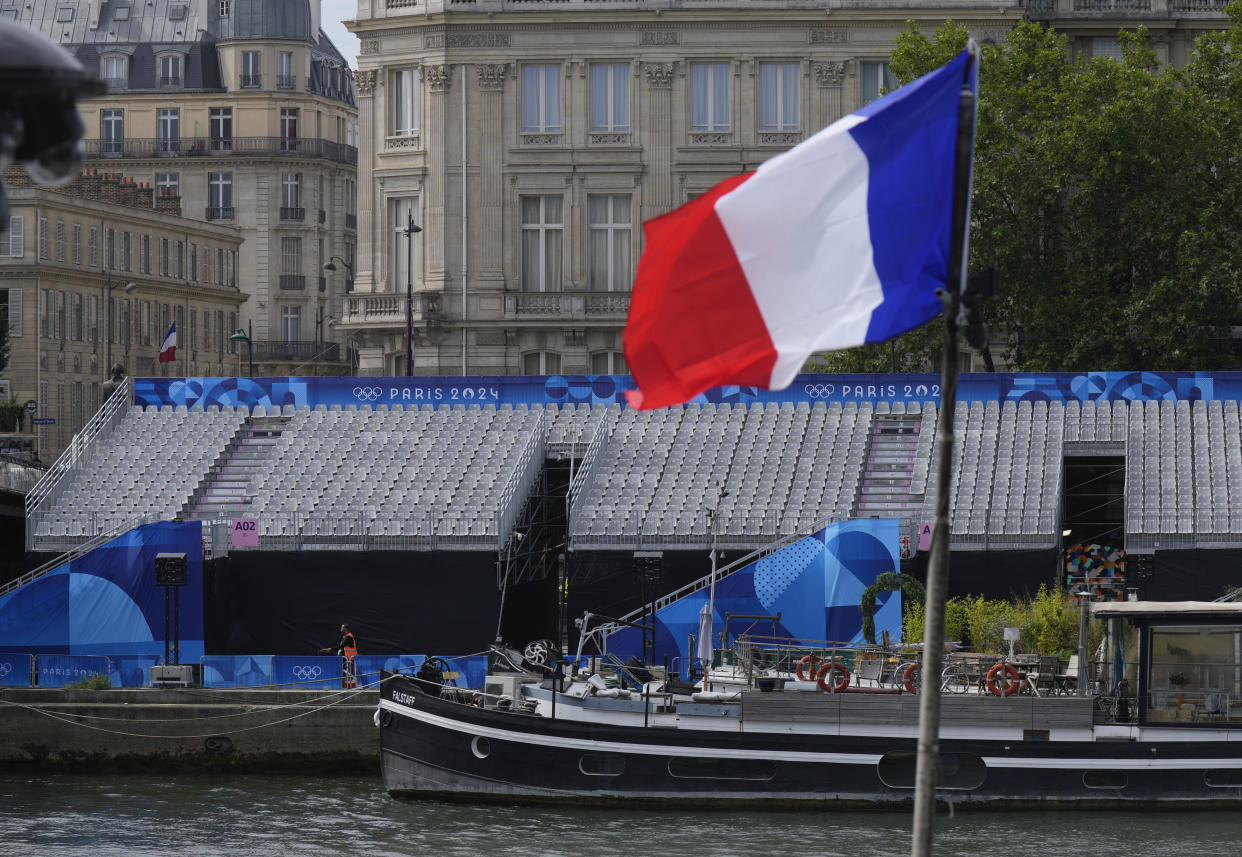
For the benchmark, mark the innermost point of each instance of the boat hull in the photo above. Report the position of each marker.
(432, 748)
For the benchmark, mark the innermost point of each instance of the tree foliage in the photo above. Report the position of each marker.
(1105, 194)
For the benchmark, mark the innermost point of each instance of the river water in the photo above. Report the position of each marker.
(238, 816)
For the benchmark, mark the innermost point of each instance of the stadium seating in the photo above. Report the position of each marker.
(457, 477)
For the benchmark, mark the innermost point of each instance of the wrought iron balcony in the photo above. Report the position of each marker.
(289, 213)
(232, 147)
(293, 282)
(285, 81)
(251, 81)
(170, 80)
(220, 213)
(277, 349)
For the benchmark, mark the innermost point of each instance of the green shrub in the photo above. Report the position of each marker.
(1048, 622)
(94, 681)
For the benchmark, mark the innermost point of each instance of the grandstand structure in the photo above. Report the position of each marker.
(422, 476)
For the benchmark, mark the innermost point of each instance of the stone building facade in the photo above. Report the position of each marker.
(98, 270)
(244, 109)
(530, 141)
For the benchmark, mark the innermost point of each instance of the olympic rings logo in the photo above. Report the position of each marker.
(304, 673)
(5, 669)
(820, 391)
(367, 394)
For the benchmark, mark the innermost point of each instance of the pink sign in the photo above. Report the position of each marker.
(245, 533)
(925, 536)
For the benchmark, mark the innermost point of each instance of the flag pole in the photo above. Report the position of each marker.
(927, 772)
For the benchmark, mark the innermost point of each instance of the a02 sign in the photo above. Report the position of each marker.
(245, 532)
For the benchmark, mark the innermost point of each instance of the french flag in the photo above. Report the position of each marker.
(841, 241)
(168, 351)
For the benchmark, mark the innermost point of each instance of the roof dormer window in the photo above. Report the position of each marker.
(178, 12)
(170, 69)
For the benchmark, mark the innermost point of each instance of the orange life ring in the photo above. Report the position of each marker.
(908, 677)
(1011, 683)
(843, 680)
(810, 663)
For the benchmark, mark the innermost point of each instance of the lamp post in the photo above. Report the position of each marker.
(129, 289)
(246, 336)
(411, 229)
(330, 268)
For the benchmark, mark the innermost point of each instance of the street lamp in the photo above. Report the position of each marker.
(411, 229)
(129, 289)
(245, 336)
(330, 268)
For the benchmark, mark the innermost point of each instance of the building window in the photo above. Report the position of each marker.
(193, 263)
(12, 239)
(145, 259)
(121, 13)
(127, 260)
(109, 247)
(709, 96)
(288, 129)
(291, 323)
(11, 302)
(875, 79)
(60, 240)
(220, 123)
(43, 238)
(111, 133)
(116, 72)
(92, 247)
(224, 8)
(75, 317)
(168, 129)
(164, 257)
(77, 243)
(404, 91)
(778, 96)
(541, 99)
(220, 195)
(608, 363)
(170, 70)
(609, 242)
(167, 184)
(64, 14)
(179, 270)
(250, 75)
(291, 264)
(1106, 46)
(291, 197)
(284, 73)
(610, 97)
(542, 236)
(400, 212)
(541, 363)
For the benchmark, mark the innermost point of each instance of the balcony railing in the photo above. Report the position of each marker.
(220, 213)
(389, 310)
(568, 304)
(193, 147)
(251, 81)
(288, 213)
(170, 80)
(277, 349)
(285, 81)
(293, 282)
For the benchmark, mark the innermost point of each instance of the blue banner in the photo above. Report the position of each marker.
(15, 669)
(237, 670)
(609, 389)
(307, 672)
(60, 670)
(132, 670)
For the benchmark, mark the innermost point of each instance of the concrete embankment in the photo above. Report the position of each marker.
(189, 729)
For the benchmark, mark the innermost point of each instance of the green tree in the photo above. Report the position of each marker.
(1102, 194)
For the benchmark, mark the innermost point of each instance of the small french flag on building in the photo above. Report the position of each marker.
(168, 351)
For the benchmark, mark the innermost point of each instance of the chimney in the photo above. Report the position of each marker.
(16, 176)
(110, 189)
(90, 184)
(144, 196)
(168, 203)
(129, 192)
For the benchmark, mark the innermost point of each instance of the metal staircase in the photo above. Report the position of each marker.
(226, 490)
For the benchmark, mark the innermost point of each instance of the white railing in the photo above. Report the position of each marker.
(590, 461)
(48, 489)
(514, 494)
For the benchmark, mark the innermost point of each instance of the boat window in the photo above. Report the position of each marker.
(1223, 778)
(721, 769)
(1105, 779)
(481, 747)
(1196, 674)
(602, 764)
(957, 770)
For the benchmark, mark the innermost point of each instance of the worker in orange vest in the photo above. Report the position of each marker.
(347, 648)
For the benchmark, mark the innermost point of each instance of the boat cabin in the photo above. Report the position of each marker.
(1179, 662)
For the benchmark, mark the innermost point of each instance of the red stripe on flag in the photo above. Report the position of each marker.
(693, 321)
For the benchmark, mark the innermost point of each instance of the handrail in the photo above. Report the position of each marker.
(586, 472)
(73, 553)
(525, 473)
(99, 426)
